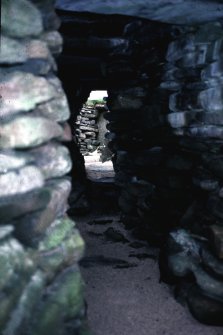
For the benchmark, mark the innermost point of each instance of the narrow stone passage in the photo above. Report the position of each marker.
(121, 274)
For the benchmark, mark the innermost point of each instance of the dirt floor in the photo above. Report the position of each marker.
(123, 292)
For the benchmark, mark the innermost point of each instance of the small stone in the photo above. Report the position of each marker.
(52, 159)
(15, 206)
(21, 181)
(58, 231)
(14, 261)
(12, 51)
(61, 246)
(179, 119)
(115, 235)
(37, 49)
(217, 240)
(205, 308)
(140, 187)
(54, 41)
(204, 131)
(211, 99)
(21, 92)
(179, 163)
(24, 308)
(11, 160)
(30, 229)
(215, 206)
(206, 185)
(17, 16)
(214, 163)
(56, 109)
(211, 262)
(5, 231)
(67, 134)
(28, 131)
(62, 300)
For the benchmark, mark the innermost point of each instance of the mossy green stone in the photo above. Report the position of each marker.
(13, 261)
(63, 301)
(56, 233)
(25, 305)
(62, 246)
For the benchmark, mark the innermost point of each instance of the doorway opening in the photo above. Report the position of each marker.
(91, 134)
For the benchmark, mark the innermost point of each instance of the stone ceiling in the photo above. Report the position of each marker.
(169, 11)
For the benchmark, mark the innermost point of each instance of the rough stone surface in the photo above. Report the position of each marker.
(217, 239)
(52, 159)
(56, 109)
(12, 207)
(16, 18)
(21, 92)
(28, 131)
(11, 160)
(21, 181)
(176, 12)
(31, 228)
(12, 51)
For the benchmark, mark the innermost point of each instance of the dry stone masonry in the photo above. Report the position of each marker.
(90, 128)
(40, 283)
(165, 117)
(165, 132)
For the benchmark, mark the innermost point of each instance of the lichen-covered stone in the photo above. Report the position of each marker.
(26, 304)
(30, 229)
(56, 233)
(20, 181)
(28, 131)
(14, 262)
(63, 300)
(53, 160)
(20, 19)
(21, 92)
(12, 207)
(62, 246)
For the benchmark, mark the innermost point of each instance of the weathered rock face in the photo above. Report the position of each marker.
(40, 285)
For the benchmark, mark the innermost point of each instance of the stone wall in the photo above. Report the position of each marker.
(165, 132)
(40, 286)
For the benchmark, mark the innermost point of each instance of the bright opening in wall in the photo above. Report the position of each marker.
(90, 132)
(98, 95)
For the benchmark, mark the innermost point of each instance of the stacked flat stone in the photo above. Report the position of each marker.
(87, 129)
(40, 285)
(139, 135)
(90, 128)
(193, 80)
